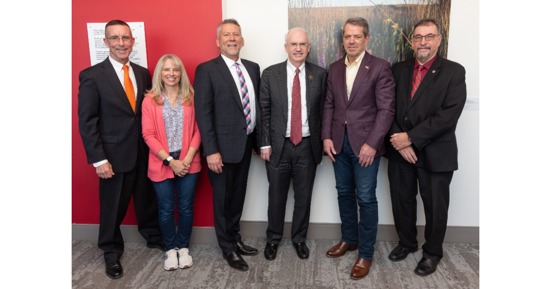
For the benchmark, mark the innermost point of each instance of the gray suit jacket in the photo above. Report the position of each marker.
(274, 104)
(219, 110)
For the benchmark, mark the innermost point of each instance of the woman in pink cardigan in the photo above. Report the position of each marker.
(171, 132)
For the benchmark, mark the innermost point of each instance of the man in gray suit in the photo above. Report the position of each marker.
(225, 105)
(291, 102)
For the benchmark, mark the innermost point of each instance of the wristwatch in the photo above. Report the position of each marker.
(167, 160)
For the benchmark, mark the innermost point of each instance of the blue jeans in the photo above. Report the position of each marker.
(184, 190)
(356, 186)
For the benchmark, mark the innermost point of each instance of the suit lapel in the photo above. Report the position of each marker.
(228, 78)
(362, 73)
(309, 88)
(430, 74)
(281, 84)
(112, 78)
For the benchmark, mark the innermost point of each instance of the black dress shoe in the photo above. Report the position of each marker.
(270, 251)
(426, 267)
(400, 253)
(113, 270)
(301, 249)
(235, 261)
(156, 245)
(245, 249)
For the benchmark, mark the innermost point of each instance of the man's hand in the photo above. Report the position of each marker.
(105, 171)
(266, 154)
(215, 162)
(328, 147)
(400, 140)
(366, 155)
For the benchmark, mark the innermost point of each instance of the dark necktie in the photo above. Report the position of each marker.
(129, 87)
(244, 98)
(417, 80)
(296, 111)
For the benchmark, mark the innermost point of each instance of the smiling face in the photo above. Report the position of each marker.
(171, 73)
(425, 49)
(297, 46)
(120, 42)
(230, 41)
(355, 41)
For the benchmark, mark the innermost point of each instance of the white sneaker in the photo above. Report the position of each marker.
(171, 261)
(185, 259)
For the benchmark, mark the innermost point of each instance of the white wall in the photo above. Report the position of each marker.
(264, 24)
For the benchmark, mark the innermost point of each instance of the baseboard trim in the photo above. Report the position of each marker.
(319, 231)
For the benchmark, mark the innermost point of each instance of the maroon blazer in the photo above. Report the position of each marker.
(368, 114)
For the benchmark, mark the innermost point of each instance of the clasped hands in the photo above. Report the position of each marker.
(180, 167)
(401, 143)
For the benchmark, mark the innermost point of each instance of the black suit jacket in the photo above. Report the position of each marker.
(109, 128)
(219, 110)
(430, 118)
(274, 108)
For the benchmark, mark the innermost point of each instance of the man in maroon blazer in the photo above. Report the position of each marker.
(358, 112)
(421, 145)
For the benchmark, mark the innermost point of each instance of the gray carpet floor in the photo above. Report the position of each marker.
(458, 269)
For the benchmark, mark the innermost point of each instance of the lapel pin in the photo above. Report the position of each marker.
(433, 71)
(310, 77)
(366, 67)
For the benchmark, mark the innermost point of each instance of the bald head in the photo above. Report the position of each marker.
(297, 46)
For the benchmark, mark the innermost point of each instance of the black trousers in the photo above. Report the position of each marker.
(296, 164)
(114, 197)
(405, 182)
(229, 189)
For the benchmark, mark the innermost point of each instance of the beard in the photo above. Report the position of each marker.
(424, 56)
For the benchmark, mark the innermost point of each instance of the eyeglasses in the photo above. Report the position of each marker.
(429, 37)
(297, 44)
(124, 38)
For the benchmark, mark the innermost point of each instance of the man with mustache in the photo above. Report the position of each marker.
(421, 145)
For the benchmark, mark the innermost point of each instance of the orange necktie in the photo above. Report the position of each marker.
(129, 88)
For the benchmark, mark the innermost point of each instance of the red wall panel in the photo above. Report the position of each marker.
(184, 27)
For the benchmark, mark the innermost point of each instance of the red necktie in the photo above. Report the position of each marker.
(417, 80)
(296, 111)
(129, 87)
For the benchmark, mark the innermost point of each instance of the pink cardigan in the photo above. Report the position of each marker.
(154, 133)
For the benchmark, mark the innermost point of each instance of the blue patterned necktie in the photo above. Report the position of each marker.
(244, 98)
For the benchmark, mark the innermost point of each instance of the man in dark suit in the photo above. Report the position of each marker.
(226, 88)
(421, 144)
(291, 103)
(358, 112)
(110, 127)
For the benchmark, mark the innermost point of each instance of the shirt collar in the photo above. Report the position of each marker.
(230, 62)
(427, 65)
(290, 67)
(117, 65)
(357, 61)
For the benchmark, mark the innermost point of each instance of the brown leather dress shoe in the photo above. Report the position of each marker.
(340, 249)
(360, 268)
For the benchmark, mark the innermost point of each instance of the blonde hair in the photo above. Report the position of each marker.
(185, 87)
